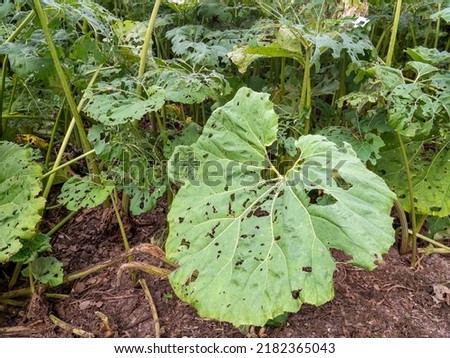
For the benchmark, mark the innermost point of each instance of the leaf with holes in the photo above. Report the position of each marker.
(192, 87)
(117, 107)
(252, 243)
(83, 192)
(20, 203)
(430, 170)
(32, 248)
(47, 270)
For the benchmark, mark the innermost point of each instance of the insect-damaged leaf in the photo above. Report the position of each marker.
(20, 205)
(430, 168)
(83, 192)
(117, 107)
(252, 243)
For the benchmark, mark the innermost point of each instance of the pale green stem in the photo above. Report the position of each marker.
(70, 162)
(391, 49)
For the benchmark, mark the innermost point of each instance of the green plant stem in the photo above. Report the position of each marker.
(30, 278)
(119, 221)
(147, 42)
(342, 89)
(412, 31)
(438, 28)
(420, 221)
(411, 201)
(53, 135)
(59, 156)
(305, 100)
(390, 54)
(15, 275)
(19, 116)
(61, 223)
(381, 39)
(2, 93)
(282, 76)
(93, 168)
(431, 241)
(56, 296)
(70, 162)
(404, 241)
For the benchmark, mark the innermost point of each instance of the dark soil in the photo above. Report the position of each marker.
(392, 301)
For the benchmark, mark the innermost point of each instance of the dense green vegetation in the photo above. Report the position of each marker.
(277, 130)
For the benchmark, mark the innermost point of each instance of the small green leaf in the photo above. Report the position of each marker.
(31, 248)
(421, 69)
(367, 148)
(431, 56)
(47, 270)
(83, 192)
(439, 228)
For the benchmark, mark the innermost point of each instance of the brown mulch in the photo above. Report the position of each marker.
(392, 301)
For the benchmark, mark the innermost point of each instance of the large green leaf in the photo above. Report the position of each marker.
(430, 167)
(20, 205)
(252, 243)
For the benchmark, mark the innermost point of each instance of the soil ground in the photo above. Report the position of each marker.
(392, 301)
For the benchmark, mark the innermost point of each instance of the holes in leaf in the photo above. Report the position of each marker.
(341, 182)
(186, 243)
(192, 278)
(180, 220)
(307, 269)
(219, 253)
(230, 210)
(296, 294)
(239, 263)
(261, 213)
(278, 238)
(435, 208)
